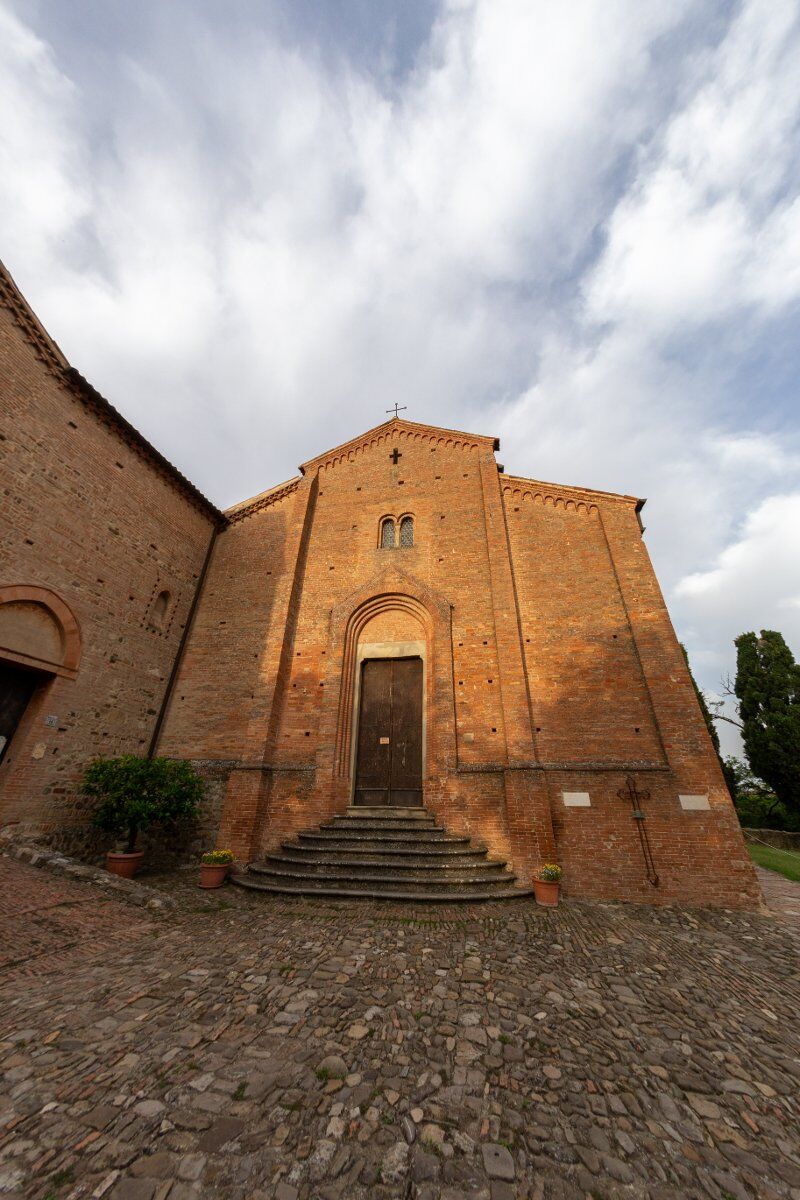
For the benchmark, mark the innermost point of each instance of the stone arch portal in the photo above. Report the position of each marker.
(39, 630)
(373, 614)
(39, 639)
(415, 621)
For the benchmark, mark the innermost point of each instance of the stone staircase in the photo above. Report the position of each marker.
(384, 854)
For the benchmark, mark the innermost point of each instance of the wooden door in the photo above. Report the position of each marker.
(389, 756)
(16, 688)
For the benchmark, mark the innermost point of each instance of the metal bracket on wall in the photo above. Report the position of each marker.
(631, 792)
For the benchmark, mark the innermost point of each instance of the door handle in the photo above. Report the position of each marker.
(383, 741)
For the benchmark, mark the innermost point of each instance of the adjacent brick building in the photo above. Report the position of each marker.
(103, 543)
(509, 634)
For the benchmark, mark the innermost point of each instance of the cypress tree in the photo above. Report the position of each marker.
(768, 689)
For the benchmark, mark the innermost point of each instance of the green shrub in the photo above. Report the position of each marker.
(757, 806)
(134, 793)
(764, 812)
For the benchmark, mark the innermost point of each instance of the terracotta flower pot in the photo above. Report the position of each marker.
(122, 864)
(546, 891)
(212, 875)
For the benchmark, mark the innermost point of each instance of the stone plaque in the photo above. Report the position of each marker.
(693, 803)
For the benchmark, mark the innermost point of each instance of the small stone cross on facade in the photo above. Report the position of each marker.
(395, 456)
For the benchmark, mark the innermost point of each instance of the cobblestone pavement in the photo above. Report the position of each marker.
(265, 1049)
(782, 895)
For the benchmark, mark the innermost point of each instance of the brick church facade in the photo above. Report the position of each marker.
(400, 624)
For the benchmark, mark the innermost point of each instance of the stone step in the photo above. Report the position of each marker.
(357, 878)
(387, 859)
(404, 892)
(344, 833)
(382, 823)
(370, 846)
(391, 851)
(386, 853)
(391, 811)
(371, 868)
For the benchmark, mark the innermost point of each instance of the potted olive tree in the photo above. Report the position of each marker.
(546, 883)
(134, 793)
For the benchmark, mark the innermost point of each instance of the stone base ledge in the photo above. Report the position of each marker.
(23, 849)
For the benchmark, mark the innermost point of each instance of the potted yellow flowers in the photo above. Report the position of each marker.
(546, 883)
(214, 866)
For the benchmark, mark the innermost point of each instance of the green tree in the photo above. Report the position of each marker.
(757, 806)
(708, 717)
(134, 793)
(768, 689)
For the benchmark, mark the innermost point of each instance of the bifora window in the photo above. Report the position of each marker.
(396, 532)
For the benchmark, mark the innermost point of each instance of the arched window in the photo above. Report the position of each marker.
(160, 607)
(407, 531)
(387, 534)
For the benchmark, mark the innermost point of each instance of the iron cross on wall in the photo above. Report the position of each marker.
(395, 456)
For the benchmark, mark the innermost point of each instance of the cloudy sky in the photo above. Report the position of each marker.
(256, 225)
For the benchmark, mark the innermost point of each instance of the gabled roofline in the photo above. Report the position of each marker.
(577, 490)
(401, 425)
(59, 367)
(257, 503)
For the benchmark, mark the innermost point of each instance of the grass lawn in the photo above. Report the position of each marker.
(776, 860)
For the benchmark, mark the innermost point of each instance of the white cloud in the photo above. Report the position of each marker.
(575, 225)
(753, 584)
(41, 161)
(758, 573)
(705, 228)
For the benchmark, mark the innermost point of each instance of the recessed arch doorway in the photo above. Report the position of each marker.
(389, 708)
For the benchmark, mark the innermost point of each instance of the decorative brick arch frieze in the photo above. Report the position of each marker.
(391, 591)
(551, 499)
(69, 659)
(392, 433)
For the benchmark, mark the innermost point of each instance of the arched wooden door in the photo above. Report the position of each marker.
(389, 754)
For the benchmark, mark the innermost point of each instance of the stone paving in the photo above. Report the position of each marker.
(782, 895)
(252, 1048)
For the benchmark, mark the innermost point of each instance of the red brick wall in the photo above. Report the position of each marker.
(551, 665)
(551, 662)
(86, 515)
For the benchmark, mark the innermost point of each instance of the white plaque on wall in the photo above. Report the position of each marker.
(694, 802)
(576, 799)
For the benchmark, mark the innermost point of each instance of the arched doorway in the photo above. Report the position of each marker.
(389, 707)
(39, 639)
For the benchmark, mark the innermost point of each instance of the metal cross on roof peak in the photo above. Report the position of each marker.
(397, 408)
